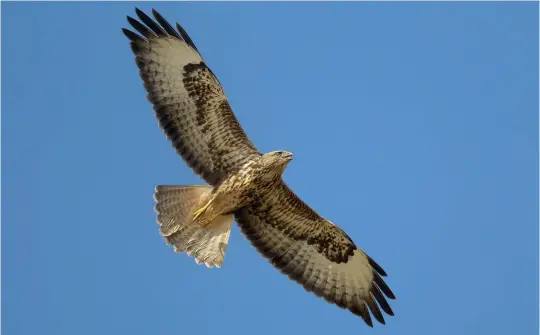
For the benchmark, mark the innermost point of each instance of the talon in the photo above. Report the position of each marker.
(199, 212)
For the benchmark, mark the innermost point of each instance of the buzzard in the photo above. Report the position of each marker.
(243, 184)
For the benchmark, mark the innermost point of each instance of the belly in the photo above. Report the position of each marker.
(232, 195)
(242, 188)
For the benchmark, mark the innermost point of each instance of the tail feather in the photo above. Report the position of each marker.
(175, 206)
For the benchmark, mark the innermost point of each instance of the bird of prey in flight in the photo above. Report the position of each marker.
(243, 184)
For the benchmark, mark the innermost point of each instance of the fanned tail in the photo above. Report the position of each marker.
(175, 206)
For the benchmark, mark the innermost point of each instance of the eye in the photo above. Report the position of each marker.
(279, 153)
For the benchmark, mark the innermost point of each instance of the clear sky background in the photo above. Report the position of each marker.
(414, 128)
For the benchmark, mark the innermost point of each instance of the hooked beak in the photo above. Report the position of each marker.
(289, 156)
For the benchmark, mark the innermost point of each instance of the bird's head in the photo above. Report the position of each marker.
(277, 160)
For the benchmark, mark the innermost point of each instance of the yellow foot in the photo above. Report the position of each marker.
(198, 213)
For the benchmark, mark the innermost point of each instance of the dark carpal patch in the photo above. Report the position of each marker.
(215, 118)
(295, 219)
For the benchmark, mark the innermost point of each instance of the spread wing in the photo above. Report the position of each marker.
(315, 253)
(189, 101)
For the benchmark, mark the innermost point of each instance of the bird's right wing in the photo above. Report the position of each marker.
(315, 253)
(189, 101)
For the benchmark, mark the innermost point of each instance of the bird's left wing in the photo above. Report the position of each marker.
(189, 101)
(315, 253)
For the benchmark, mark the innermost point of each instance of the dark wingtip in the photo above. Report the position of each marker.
(369, 322)
(147, 20)
(376, 266)
(130, 20)
(186, 37)
(131, 35)
(378, 295)
(370, 301)
(139, 12)
(377, 280)
(140, 27)
(165, 24)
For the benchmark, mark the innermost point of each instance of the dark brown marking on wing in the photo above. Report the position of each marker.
(329, 239)
(280, 228)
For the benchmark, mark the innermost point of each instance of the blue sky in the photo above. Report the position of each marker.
(414, 128)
